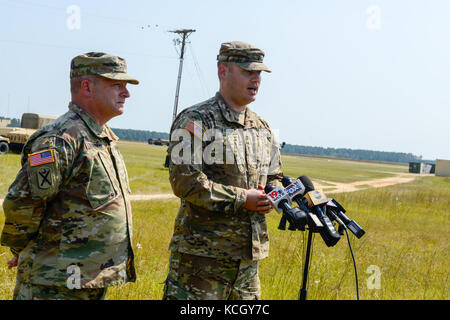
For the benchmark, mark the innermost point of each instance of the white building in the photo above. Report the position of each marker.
(442, 168)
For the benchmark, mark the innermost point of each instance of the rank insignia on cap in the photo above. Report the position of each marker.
(41, 157)
(195, 129)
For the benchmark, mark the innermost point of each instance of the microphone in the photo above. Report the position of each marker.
(314, 199)
(338, 211)
(282, 204)
(296, 190)
(333, 217)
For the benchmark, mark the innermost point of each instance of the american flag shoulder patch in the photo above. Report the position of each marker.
(195, 129)
(41, 157)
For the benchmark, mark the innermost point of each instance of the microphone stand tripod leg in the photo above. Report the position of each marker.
(303, 290)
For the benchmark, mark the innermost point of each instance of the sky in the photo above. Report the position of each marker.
(355, 74)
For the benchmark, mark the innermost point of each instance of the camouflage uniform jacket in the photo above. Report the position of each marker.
(71, 216)
(212, 220)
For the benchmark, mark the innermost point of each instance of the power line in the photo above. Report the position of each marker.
(115, 20)
(184, 33)
(78, 48)
(199, 71)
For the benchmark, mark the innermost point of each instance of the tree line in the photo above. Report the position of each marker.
(356, 154)
(139, 135)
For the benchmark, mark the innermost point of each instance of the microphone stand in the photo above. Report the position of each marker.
(314, 226)
(303, 291)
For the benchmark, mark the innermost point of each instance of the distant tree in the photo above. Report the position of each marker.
(356, 154)
(14, 123)
(139, 135)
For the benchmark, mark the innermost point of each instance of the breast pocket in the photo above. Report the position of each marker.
(266, 153)
(234, 151)
(122, 169)
(101, 186)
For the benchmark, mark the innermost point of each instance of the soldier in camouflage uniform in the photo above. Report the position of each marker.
(68, 217)
(220, 231)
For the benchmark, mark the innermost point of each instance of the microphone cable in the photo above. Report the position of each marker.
(354, 263)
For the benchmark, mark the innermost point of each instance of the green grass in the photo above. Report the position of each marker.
(338, 170)
(9, 167)
(145, 166)
(407, 235)
(153, 226)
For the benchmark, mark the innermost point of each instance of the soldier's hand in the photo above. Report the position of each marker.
(13, 262)
(257, 201)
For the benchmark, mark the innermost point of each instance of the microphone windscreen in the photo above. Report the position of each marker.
(268, 188)
(307, 183)
(286, 181)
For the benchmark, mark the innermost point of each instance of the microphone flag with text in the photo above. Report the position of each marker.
(282, 204)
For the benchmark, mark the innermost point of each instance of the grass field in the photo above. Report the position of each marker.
(339, 170)
(403, 255)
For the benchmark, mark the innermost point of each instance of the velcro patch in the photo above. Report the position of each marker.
(41, 157)
(44, 178)
(195, 129)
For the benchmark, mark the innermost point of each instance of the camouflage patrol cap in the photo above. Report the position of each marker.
(101, 64)
(244, 55)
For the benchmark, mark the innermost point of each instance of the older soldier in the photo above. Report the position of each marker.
(220, 232)
(68, 214)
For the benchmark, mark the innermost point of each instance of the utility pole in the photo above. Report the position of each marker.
(184, 33)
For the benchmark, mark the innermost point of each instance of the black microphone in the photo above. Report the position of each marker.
(333, 217)
(296, 191)
(281, 202)
(336, 209)
(314, 199)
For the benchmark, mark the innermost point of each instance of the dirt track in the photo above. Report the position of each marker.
(326, 186)
(337, 187)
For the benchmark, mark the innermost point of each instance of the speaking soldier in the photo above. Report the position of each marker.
(221, 155)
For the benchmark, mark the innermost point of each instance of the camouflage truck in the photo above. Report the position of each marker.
(158, 142)
(4, 145)
(30, 122)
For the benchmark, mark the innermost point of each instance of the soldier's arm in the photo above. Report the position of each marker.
(192, 185)
(35, 184)
(275, 174)
(188, 180)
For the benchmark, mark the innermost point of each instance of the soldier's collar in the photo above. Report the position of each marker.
(226, 113)
(249, 122)
(98, 130)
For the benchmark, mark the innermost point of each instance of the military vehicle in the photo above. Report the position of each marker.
(4, 145)
(158, 142)
(30, 122)
(35, 121)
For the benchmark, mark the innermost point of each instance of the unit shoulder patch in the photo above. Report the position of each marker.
(44, 178)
